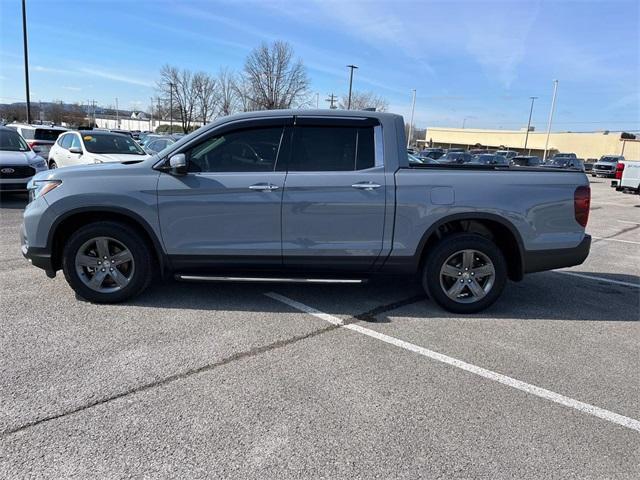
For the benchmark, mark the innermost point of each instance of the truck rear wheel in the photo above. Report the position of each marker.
(107, 262)
(464, 273)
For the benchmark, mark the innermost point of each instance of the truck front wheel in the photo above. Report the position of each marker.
(107, 262)
(464, 273)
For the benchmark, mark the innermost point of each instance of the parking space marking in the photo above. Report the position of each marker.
(615, 240)
(600, 279)
(627, 221)
(607, 415)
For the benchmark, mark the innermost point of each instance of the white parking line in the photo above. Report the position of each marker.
(627, 221)
(615, 240)
(600, 279)
(483, 372)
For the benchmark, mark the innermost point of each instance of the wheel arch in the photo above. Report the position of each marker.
(76, 218)
(496, 228)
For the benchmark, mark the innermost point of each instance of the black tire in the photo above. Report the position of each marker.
(127, 236)
(52, 165)
(447, 247)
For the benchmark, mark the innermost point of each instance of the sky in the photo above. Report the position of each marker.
(472, 62)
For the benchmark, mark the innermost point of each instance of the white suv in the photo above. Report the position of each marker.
(40, 138)
(93, 146)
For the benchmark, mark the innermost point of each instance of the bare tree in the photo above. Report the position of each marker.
(227, 91)
(207, 95)
(274, 79)
(362, 100)
(179, 85)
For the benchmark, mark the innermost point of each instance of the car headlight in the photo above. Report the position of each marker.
(39, 188)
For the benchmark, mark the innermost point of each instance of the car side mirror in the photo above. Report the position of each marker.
(178, 164)
(75, 150)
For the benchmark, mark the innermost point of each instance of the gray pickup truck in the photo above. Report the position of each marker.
(304, 194)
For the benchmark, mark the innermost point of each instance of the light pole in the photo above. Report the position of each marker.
(352, 67)
(26, 58)
(553, 106)
(526, 138)
(413, 108)
(464, 121)
(170, 108)
(117, 115)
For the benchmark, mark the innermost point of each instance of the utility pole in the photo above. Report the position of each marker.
(317, 100)
(117, 115)
(159, 114)
(413, 108)
(332, 99)
(170, 108)
(352, 67)
(26, 59)
(464, 121)
(553, 106)
(526, 138)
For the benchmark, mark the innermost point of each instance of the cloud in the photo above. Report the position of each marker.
(115, 76)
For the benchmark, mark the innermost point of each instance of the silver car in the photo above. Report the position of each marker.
(18, 163)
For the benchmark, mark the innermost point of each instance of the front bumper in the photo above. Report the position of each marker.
(541, 260)
(39, 257)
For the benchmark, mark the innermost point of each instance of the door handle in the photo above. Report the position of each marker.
(366, 186)
(264, 187)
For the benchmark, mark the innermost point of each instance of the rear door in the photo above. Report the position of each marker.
(333, 208)
(226, 210)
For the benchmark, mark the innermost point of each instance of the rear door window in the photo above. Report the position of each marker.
(47, 134)
(65, 142)
(332, 149)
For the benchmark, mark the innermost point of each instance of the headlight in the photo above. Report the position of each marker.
(39, 188)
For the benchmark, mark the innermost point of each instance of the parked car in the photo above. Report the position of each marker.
(526, 161)
(455, 149)
(150, 137)
(90, 146)
(416, 160)
(18, 162)
(627, 176)
(40, 138)
(158, 144)
(299, 193)
(489, 159)
(455, 157)
(434, 153)
(565, 162)
(606, 166)
(508, 154)
(564, 155)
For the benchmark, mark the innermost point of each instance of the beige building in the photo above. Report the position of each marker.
(584, 145)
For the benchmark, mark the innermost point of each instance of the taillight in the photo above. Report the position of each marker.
(619, 170)
(581, 204)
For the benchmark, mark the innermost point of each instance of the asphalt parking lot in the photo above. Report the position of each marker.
(327, 381)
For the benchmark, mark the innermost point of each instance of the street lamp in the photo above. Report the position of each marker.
(26, 58)
(553, 106)
(170, 108)
(413, 108)
(526, 138)
(352, 67)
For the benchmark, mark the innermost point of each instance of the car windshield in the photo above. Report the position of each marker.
(111, 143)
(609, 159)
(486, 159)
(560, 162)
(11, 141)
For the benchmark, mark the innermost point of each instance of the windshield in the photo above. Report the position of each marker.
(609, 159)
(12, 142)
(111, 143)
(560, 162)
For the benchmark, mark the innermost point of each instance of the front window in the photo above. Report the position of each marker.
(12, 142)
(111, 143)
(251, 150)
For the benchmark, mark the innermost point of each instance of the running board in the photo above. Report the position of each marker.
(201, 278)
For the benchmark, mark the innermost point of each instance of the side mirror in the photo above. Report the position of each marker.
(75, 150)
(178, 164)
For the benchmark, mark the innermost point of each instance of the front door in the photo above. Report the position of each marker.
(226, 210)
(333, 208)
